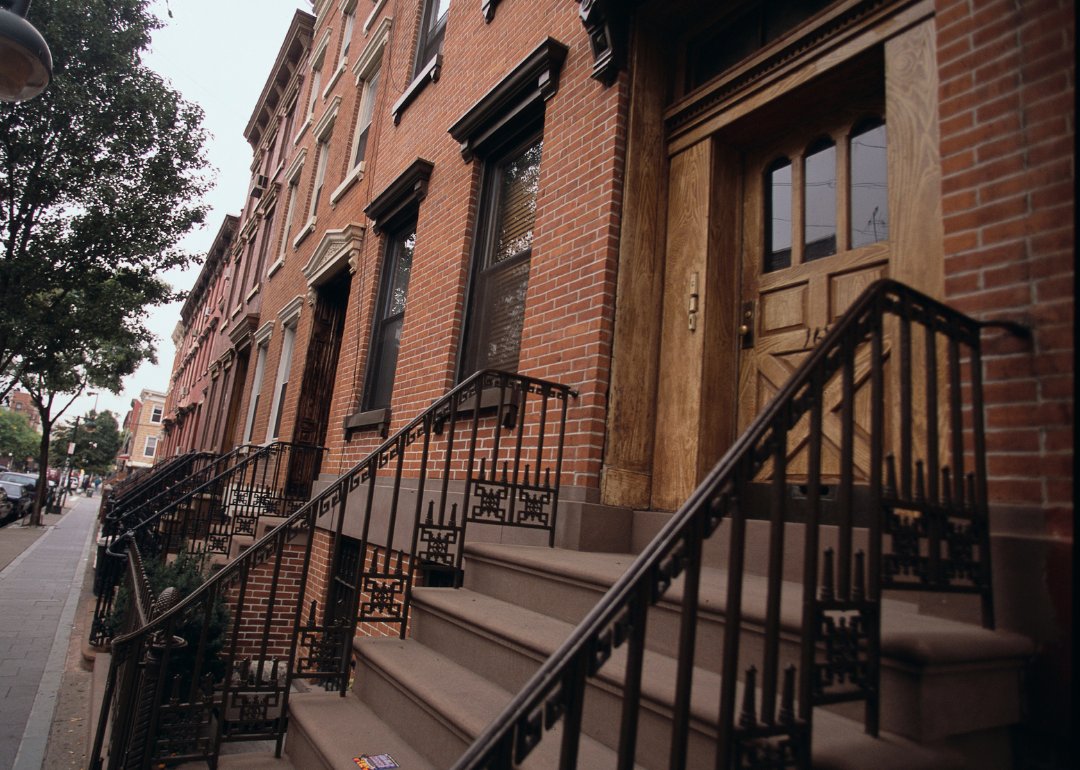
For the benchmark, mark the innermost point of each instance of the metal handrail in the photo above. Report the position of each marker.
(147, 517)
(156, 483)
(556, 692)
(149, 527)
(260, 678)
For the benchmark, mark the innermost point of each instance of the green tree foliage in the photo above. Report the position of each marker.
(17, 438)
(95, 452)
(100, 177)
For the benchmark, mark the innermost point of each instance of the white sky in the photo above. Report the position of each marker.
(218, 54)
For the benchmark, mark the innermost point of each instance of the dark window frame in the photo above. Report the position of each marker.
(376, 356)
(432, 31)
(481, 267)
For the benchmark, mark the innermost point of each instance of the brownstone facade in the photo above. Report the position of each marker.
(637, 199)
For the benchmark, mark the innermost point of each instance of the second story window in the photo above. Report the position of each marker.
(350, 20)
(150, 447)
(367, 110)
(290, 206)
(433, 25)
(320, 176)
(386, 327)
(496, 312)
(256, 390)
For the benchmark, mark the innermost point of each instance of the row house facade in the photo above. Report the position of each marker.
(664, 206)
(142, 427)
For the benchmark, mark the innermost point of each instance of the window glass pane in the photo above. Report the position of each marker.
(316, 78)
(438, 11)
(399, 291)
(349, 20)
(505, 289)
(519, 182)
(820, 200)
(386, 336)
(320, 175)
(367, 109)
(778, 215)
(382, 385)
(371, 86)
(869, 185)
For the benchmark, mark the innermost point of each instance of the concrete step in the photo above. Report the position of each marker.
(507, 644)
(327, 732)
(440, 707)
(936, 674)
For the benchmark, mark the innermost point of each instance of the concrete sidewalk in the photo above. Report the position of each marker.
(41, 575)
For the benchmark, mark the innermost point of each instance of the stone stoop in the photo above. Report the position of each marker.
(943, 682)
(949, 690)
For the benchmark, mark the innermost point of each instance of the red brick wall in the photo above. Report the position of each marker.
(571, 289)
(1007, 77)
(1006, 86)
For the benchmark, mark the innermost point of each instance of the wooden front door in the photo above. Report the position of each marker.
(815, 235)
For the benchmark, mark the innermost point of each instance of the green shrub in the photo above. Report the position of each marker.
(185, 573)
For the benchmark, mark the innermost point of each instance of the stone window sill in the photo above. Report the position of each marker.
(309, 228)
(375, 419)
(351, 178)
(429, 74)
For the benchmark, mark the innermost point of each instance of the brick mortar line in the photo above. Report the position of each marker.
(35, 738)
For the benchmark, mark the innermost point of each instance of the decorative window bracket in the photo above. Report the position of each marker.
(607, 22)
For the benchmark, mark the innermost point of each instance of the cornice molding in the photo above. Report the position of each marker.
(531, 83)
(401, 196)
(326, 121)
(373, 51)
(290, 314)
(337, 250)
(263, 333)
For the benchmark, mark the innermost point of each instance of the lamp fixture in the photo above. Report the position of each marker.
(25, 61)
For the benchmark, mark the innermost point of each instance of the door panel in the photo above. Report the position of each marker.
(793, 300)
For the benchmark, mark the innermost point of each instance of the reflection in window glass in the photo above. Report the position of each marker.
(820, 228)
(386, 333)
(517, 204)
(778, 215)
(869, 184)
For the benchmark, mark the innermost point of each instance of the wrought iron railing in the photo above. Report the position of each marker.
(204, 510)
(894, 421)
(489, 452)
(164, 476)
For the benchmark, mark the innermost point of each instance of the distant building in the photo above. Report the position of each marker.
(20, 401)
(142, 429)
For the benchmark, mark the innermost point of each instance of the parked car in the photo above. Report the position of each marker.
(31, 478)
(21, 497)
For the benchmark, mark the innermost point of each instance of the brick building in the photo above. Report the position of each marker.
(144, 427)
(665, 206)
(20, 401)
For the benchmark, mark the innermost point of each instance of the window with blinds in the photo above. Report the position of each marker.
(367, 110)
(497, 307)
(386, 329)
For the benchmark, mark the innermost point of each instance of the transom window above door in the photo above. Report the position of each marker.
(827, 196)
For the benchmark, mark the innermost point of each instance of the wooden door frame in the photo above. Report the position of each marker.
(657, 448)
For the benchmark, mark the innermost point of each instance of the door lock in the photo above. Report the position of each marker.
(692, 310)
(746, 325)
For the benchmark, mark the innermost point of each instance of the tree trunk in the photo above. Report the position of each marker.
(43, 474)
